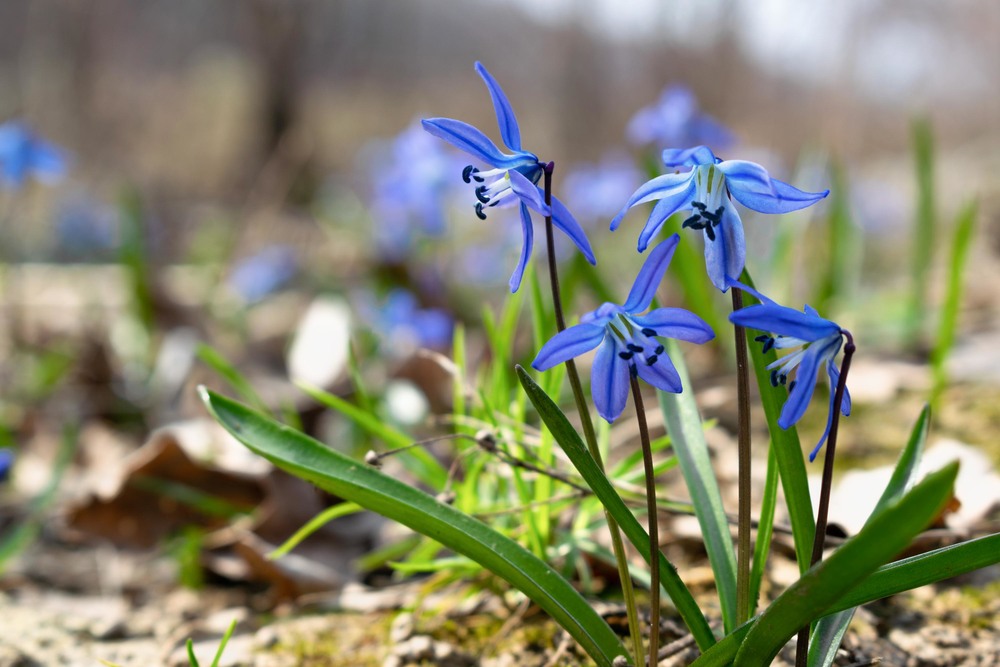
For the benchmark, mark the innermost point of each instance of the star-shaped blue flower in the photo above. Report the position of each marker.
(675, 121)
(626, 340)
(816, 341)
(706, 188)
(514, 175)
(24, 154)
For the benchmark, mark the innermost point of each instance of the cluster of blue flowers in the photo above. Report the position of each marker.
(626, 337)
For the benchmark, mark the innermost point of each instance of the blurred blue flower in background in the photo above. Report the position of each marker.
(85, 228)
(264, 273)
(405, 326)
(818, 341)
(23, 155)
(598, 190)
(514, 177)
(6, 462)
(626, 341)
(675, 121)
(705, 190)
(412, 182)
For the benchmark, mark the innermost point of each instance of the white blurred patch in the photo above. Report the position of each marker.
(319, 350)
(405, 402)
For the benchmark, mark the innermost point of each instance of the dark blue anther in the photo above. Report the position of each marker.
(626, 355)
(634, 347)
(698, 205)
(648, 332)
(651, 359)
(774, 378)
(479, 212)
(481, 194)
(709, 232)
(468, 172)
(659, 349)
(694, 222)
(791, 385)
(784, 378)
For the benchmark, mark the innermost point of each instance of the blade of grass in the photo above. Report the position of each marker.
(948, 324)
(573, 446)
(304, 457)
(680, 413)
(765, 526)
(924, 234)
(211, 358)
(311, 526)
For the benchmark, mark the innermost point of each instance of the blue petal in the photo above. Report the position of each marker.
(845, 407)
(746, 288)
(784, 321)
(750, 185)
(564, 220)
(650, 276)
(509, 131)
(834, 373)
(664, 209)
(669, 187)
(676, 323)
(568, 344)
(725, 256)
(662, 375)
(609, 380)
(529, 234)
(470, 140)
(688, 157)
(801, 394)
(527, 192)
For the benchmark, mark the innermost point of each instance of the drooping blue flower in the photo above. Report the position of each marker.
(405, 326)
(626, 340)
(816, 342)
(598, 190)
(264, 273)
(412, 184)
(707, 189)
(675, 121)
(514, 177)
(24, 154)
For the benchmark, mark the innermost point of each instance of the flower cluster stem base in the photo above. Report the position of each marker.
(589, 434)
(654, 531)
(743, 548)
(822, 514)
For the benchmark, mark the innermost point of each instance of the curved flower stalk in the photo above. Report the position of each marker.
(626, 340)
(514, 177)
(816, 342)
(676, 120)
(707, 189)
(24, 154)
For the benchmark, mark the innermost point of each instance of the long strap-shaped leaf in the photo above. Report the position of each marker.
(354, 481)
(680, 412)
(573, 446)
(818, 591)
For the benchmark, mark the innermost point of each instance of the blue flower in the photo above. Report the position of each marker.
(626, 341)
(675, 121)
(514, 177)
(6, 462)
(597, 190)
(405, 326)
(262, 274)
(706, 189)
(816, 341)
(23, 153)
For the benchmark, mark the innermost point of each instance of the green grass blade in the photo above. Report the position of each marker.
(335, 473)
(417, 459)
(921, 570)
(841, 246)
(573, 446)
(830, 630)
(680, 413)
(223, 642)
(311, 526)
(192, 659)
(948, 324)
(811, 596)
(765, 526)
(787, 449)
(211, 358)
(923, 236)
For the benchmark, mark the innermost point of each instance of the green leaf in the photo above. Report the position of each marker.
(923, 236)
(420, 462)
(311, 526)
(765, 526)
(924, 569)
(335, 473)
(888, 533)
(573, 446)
(829, 631)
(680, 412)
(787, 448)
(211, 357)
(953, 297)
